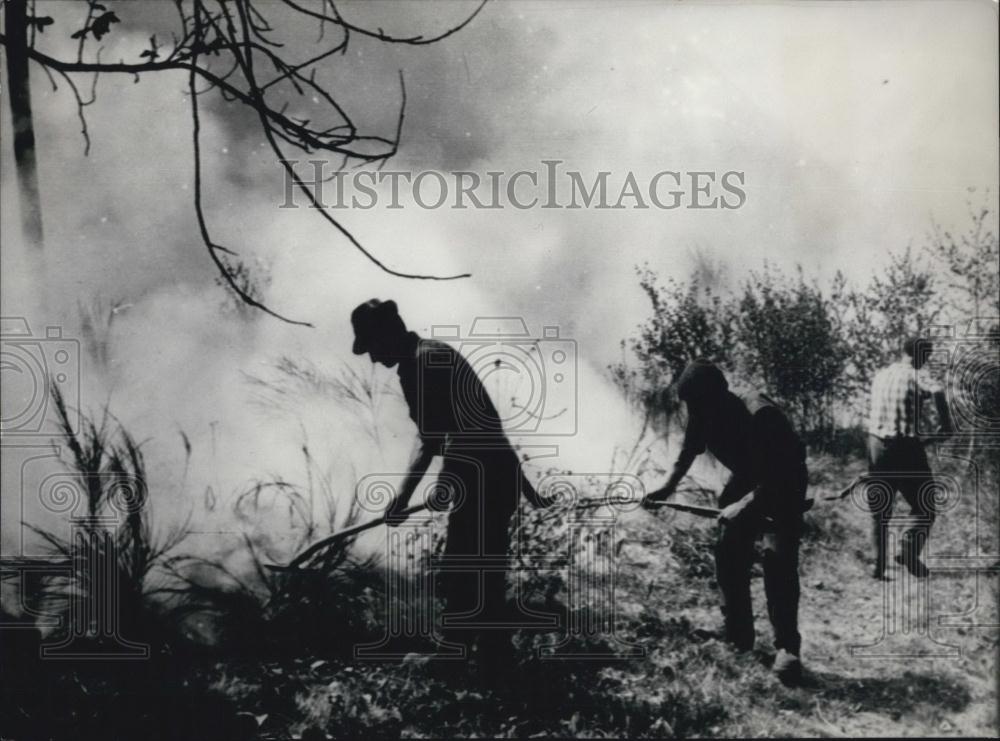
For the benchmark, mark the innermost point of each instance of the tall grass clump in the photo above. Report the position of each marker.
(324, 609)
(113, 543)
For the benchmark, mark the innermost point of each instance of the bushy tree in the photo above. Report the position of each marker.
(789, 341)
(689, 320)
(779, 334)
(816, 350)
(971, 265)
(900, 302)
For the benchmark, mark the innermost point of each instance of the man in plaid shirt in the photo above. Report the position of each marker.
(896, 456)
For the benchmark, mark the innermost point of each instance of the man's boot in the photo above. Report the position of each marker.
(909, 554)
(788, 668)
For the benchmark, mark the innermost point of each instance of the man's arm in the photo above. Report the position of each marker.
(529, 492)
(931, 387)
(738, 497)
(420, 461)
(691, 448)
(681, 467)
(944, 413)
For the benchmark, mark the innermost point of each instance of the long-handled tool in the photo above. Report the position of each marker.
(859, 479)
(296, 563)
(680, 506)
(691, 509)
(347, 532)
(303, 557)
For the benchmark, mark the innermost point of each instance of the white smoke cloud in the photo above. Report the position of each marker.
(839, 164)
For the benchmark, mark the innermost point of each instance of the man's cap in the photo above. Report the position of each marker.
(371, 318)
(700, 380)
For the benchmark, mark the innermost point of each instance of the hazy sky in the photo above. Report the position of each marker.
(855, 124)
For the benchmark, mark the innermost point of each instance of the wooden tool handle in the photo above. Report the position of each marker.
(347, 532)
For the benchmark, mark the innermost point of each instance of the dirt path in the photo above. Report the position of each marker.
(900, 657)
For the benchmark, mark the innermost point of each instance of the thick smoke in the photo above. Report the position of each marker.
(673, 87)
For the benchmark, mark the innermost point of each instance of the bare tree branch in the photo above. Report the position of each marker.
(338, 19)
(213, 248)
(208, 38)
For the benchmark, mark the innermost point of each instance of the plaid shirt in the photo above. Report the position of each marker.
(898, 394)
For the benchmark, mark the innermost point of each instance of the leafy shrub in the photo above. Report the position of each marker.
(814, 349)
(689, 320)
(899, 302)
(790, 343)
(971, 260)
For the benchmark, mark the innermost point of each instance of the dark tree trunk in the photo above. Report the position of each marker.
(19, 93)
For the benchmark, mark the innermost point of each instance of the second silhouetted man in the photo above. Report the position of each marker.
(753, 438)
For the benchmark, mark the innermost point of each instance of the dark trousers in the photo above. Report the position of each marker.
(734, 557)
(473, 580)
(899, 464)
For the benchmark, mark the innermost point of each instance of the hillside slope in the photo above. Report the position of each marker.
(686, 683)
(282, 663)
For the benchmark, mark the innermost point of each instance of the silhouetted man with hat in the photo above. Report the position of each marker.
(457, 420)
(753, 438)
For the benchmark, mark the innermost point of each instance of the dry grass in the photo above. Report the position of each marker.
(282, 651)
(113, 521)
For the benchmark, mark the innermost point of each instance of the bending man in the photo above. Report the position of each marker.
(765, 494)
(455, 419)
